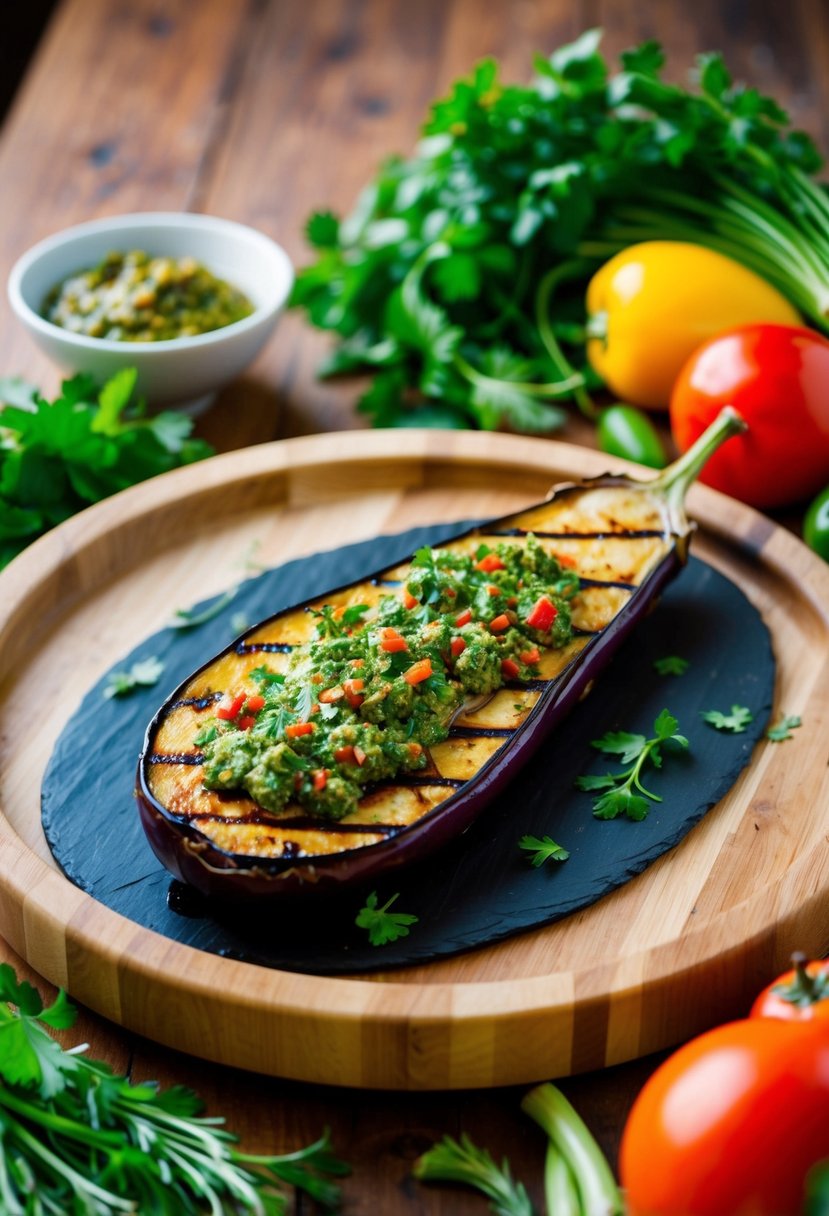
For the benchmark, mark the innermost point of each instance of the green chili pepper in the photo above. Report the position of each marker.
(625, 431)
(816, 525)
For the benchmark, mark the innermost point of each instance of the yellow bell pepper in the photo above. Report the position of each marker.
(652, 305)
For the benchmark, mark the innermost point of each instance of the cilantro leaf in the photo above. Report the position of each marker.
(323, 229)
(735, 722)
(623, 793)
(671, 665)
(383, 926)
(543, 849)
(142, 674)
(264, 677)
(783, 729)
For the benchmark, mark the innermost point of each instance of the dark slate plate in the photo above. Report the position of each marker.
(481, 888)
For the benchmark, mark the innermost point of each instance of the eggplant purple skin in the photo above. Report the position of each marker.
(193, 859)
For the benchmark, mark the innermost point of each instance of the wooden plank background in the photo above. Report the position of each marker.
(261, 110)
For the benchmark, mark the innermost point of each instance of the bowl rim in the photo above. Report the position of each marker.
(184, 220)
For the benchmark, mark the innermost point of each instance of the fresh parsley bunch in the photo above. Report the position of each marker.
(77, 1140)
(57, 457)
(458, 279)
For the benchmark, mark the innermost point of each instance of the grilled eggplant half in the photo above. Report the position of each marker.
(623, 538)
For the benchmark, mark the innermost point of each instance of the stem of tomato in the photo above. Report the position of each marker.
(674, 481)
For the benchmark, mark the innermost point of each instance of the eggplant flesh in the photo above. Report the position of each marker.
(623, 541)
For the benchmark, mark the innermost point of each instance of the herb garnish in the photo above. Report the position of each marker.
(735, 722)
(58, 456)
(671, 665)
(142, 674)
(79, 1138)
(618, 794)
(544, 849)
(783, 729)
(458, 280)
(188, 618)
(462, 1161)
(384, 926)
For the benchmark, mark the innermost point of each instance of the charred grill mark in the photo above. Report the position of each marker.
(264, 648)
(585, 633)
(176, 758)
(261, 818)
(627, 533)
(606, 582)
(413, 782)
(198, 702)
(483, 732)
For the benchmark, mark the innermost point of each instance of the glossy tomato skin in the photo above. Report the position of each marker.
(777, 378)
(731, 1123)
(792, 1000)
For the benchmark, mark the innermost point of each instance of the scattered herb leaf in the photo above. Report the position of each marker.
(263, 676)
(239, 623)
(206, 735)
(543, 849)
(188, 618)
(735, 722)
(671, 665)
(383, 926)
(783, 729)
(462, 1161)
(623, 793)
(141, 675)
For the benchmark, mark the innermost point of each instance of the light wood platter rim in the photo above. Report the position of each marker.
(30, 890)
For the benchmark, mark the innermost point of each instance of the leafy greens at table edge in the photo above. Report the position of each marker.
(445, 282)
(57, 457)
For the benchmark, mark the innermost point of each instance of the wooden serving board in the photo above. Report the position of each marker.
(681, 946)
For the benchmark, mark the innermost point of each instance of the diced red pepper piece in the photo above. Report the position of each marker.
(299, 728)
(490, 562)
(493, 590)
(345, 755)
(499, 624)
(510, 669)
(565, 561)
(353, 690)
(542, 615)
(246, 722)
(414, 750)
(229, 707)
(409, 601)
(530, 657)
(254, 704)
(320, 779)
(457, 646)
(329, 695)
(392, 642)
(512, 600)
(316, 678)
(418, 672)
(463, 618)
(450, 592)
(359, 755)
(357, 662)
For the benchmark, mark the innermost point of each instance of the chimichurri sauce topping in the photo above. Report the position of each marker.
(374, 687)
(135, 297)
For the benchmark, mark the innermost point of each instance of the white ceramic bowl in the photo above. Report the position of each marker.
(185, 372)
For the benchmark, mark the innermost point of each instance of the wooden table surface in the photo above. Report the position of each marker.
(261, 111)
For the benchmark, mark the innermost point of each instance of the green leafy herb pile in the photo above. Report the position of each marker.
(77, 1140)
(57, 457)
(458, 279)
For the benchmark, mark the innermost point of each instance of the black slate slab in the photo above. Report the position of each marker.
(481, 888)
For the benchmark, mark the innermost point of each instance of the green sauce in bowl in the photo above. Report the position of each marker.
(138, 297)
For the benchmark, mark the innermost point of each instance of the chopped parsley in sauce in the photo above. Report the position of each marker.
(376, 686)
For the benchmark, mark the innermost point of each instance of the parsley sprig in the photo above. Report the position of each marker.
(77, 1138)
(384, 926)
(143, 674)
(623, 793)
(782, 730)
(57, 457)
(543, 849)
(735, 722)
(462, 1161)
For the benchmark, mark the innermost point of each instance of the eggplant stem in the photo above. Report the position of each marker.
(673, 483)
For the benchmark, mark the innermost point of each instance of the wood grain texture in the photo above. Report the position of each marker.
(683, 945)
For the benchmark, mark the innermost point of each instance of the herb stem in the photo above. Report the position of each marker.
(559, 274)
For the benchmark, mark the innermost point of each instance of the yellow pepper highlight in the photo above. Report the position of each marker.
(652, 305)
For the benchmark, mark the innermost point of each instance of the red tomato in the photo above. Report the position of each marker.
(801, 995)
(731, 1123)
(777, 377)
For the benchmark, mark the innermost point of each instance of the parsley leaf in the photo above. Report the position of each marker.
(141, 675)
(544, 849)
(671, 665)
(188, 618)
(383, 926)
(735, 722)
(623, 793)
(783, 729)
(264, 677)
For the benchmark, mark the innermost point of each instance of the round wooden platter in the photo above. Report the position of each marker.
(683, 945)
